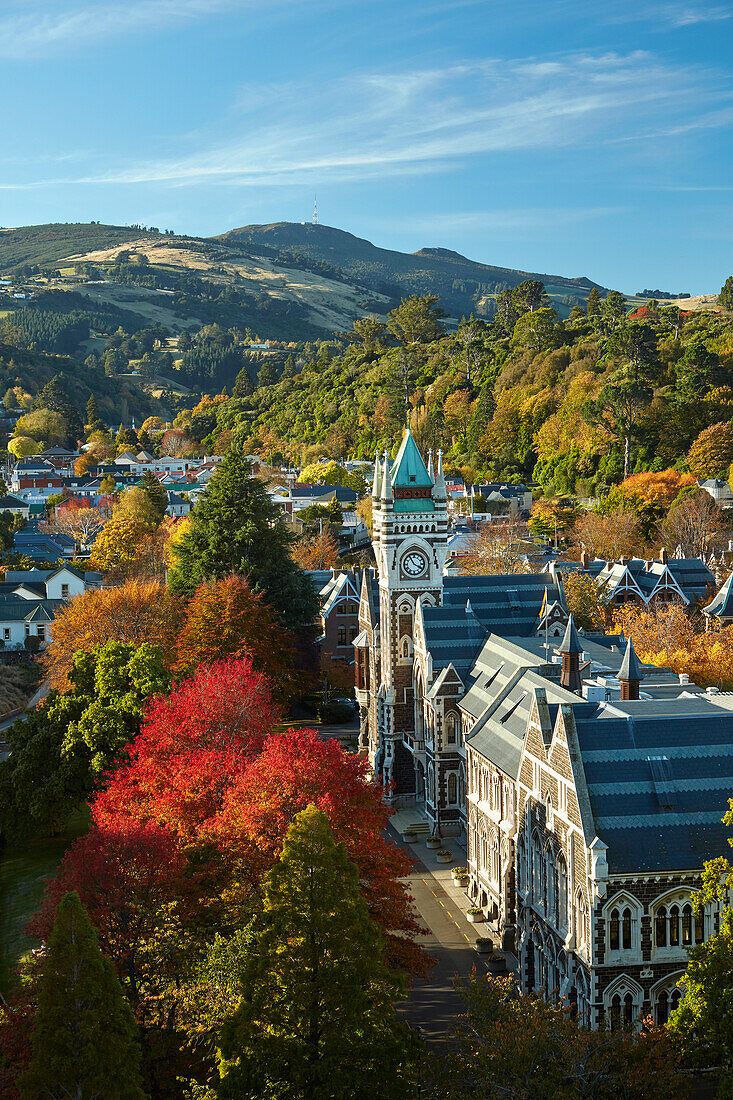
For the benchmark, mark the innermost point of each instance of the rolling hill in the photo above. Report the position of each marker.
(284, 280)
(463, 286)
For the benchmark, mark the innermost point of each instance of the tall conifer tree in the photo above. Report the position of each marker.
(84, 1041)
(317, 1016)
(235, 528)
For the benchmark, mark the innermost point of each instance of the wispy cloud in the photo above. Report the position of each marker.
(667, 16)
(29, 28)
(380, 124)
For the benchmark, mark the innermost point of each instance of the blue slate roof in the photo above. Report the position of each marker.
(722, 602)
(659, 777)
(454, 636)
(506, 605)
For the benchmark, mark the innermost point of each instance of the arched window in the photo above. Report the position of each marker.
(562, 892)
(687, 926)
(452, 788)
(662, 1008)
(674, 926)
(461, 786)
(521, 864)
(496, 793)
(614, 931)
(550, 886)
(628, 1010)
(450, 729)
(494, 859)
(537, 863)
(616, 1012)
(660, 927)
(581, 921)
(626, 929)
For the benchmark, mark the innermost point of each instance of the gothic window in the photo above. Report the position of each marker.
(562, 892)
(687, 926)
(537, 863)
(494, 860)
(452, 788)
(431, 785)
(660, 927)
(496, 793)
(461, 786)
(667, 1001)
(341, 635)
(677, 925)
(450, 729)
(522, 864)
(674, 926)
(550, 886)
(581, 921)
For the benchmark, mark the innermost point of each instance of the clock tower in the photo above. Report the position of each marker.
(410, 531)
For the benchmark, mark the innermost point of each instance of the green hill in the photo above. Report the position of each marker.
(463, 286)
(43, 245)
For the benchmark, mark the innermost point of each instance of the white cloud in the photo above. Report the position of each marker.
(379, 124)
(29, 28)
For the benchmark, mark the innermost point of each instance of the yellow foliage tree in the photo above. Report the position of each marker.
(134, 612)
(22, 445)
(667, 635)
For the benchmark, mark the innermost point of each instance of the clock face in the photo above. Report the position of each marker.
(414, 564)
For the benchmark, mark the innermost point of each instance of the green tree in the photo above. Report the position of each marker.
(637, 344)
(725, 297)
(84, 1043)
(530, 295)
(696, 371)
(593, 303)
(94, 422)
(507, 313)
(289, 369)
(369, 332)
(317, 1016)
(536, 330)
(155, 492)
(613, 308)
(267, 375)
(618, 410)
(235, 528)
(416, 320)
(243, 384)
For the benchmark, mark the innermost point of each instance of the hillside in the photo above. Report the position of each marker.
(43, 245)
(463, 286)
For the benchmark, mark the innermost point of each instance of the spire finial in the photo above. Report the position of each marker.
(377, 484)
(387, 482)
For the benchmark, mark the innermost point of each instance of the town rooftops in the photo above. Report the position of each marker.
(504, 605)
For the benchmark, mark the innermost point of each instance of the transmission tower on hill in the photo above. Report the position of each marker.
(315, 209)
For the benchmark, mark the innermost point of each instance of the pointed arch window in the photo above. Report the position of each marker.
(451, 728)
(452, 788)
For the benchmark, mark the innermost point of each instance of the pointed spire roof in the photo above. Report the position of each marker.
(408, 469)
(377, 478)
(439, 488)
(431, 471)
(630, 666)
(387, 483)
(571, 641)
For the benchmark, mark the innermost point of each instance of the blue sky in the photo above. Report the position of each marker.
(580, 138)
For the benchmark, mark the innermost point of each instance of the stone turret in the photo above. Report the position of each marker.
(630, 674)
(570, 651)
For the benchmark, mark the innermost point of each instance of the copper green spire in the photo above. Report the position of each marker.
(408, 469)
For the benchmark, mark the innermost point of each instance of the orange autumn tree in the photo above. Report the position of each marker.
(134, 612)
(318, 552)
(661, 488)
(668, 635)
(226, 619)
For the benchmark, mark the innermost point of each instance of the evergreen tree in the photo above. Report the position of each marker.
(235, 528)
(84, 1040)
(268, 374)
(53, 396)
(243, 384)
(317, 1016)
(593, 304)
(725, 297)
(155, 492)
(94, 422)
(288, 369)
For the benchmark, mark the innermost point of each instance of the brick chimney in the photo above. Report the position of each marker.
(663, 556)
(585, 559)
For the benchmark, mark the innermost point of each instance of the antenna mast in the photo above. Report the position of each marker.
(315, 209)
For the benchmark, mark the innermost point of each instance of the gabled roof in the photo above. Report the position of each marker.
(408, 469)
(722, 603)
(659, 777)
(506, 605)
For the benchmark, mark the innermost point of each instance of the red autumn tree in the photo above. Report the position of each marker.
(296, 769)
(190, 745)
(126, 873)
(227, 619)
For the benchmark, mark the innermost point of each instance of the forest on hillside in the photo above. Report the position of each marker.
(576, 405)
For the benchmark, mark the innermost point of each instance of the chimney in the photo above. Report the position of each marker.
(663, 556)
(630, 674)
(585, 559)
(570, 652)
(623, 560)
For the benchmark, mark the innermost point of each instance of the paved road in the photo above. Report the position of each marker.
(433, 1004)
